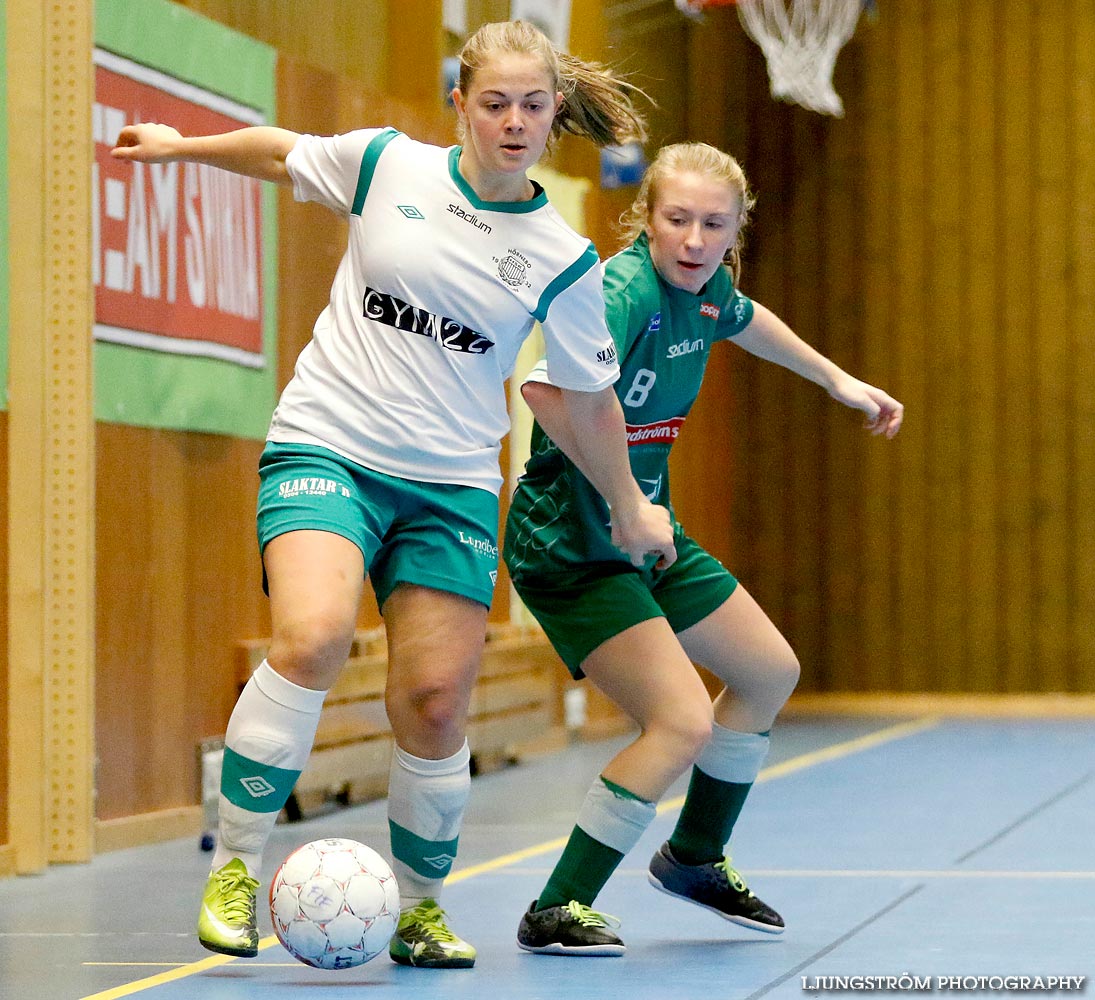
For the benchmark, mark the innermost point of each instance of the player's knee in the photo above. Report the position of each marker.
(311, 651)
(437, 711)
(785, 674)
(690, 731)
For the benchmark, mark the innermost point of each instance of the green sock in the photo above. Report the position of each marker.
(584, 868)
(711, 808)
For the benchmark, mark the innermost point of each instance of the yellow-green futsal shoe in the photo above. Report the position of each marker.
(423, 939)
(227, 923)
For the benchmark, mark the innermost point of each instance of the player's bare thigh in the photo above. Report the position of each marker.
(741, 646)
(435, 644)
(315, 580)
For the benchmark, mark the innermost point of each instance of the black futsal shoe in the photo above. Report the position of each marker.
(573, 929)
(716, 886)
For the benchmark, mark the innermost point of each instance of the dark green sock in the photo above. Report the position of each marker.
(582, 871)
(710, 810)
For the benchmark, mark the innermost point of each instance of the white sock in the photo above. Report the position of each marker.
(269, 738)
(426, 800)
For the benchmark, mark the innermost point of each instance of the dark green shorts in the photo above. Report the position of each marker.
(583, 608)
(433, 534)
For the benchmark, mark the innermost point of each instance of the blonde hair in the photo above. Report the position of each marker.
(597, 104)
(693, 158)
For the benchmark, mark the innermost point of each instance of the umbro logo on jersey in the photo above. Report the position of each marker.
(710, 309)
(449, 333)
(410, 211)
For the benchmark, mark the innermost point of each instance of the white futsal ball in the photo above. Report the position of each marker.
(334, 904)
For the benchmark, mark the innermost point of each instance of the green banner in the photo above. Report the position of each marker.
(174, 386)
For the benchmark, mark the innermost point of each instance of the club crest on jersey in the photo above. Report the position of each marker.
(710, 309)
(655, 323)
(449, 333)
(513, 267)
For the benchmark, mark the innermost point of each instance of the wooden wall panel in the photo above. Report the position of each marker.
(1017, 317)
(870, 651)
(1050, 350)
(984, 437)
(937, 241)
(1081, 237)
(178, 584)
(345, 37)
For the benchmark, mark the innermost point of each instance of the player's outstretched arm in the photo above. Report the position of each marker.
(256, 151)
(589, 428)
(768, 337)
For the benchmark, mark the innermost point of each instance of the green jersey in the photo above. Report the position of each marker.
(662, 336)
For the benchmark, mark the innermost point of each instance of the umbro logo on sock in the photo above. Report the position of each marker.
(441, 861)
(257, 786)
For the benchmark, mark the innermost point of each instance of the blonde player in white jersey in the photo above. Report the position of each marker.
(382, 455)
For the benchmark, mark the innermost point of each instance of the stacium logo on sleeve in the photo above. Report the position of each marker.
(449, 333)
(607, 356)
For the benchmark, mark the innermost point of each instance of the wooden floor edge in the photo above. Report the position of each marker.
(1004, 706)
(148, 828)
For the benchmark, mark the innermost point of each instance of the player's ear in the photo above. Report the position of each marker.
(559, 99)
(458, 101)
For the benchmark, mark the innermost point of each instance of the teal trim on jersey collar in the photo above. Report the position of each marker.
(539, 200)
(564, 280)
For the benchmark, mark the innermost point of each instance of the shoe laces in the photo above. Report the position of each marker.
(733, 876)
(429, 918)
(237, 890)
(589, 917)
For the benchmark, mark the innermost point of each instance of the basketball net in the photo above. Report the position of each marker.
(800, 40)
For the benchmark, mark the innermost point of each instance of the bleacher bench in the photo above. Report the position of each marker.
(513, 703)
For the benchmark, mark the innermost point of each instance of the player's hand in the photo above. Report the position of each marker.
(884, 413)
(148, 143)
(643, 530)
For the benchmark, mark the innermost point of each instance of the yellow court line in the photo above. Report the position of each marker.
(834, 752)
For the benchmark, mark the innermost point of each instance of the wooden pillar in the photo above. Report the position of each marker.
(415, 39)
(51, 433)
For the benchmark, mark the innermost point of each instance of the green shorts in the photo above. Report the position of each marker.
(436, 535)
(583, 608)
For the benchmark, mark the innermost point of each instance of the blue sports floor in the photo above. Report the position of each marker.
(957, 852)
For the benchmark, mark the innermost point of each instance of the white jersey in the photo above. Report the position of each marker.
(435, 294)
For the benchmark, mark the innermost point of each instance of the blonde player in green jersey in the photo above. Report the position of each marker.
(382, 455)
(636, 631)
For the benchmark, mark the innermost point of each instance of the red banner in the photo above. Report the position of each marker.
(177, 254)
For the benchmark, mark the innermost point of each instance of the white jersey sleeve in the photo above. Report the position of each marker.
(326, 169)
(580, 352)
